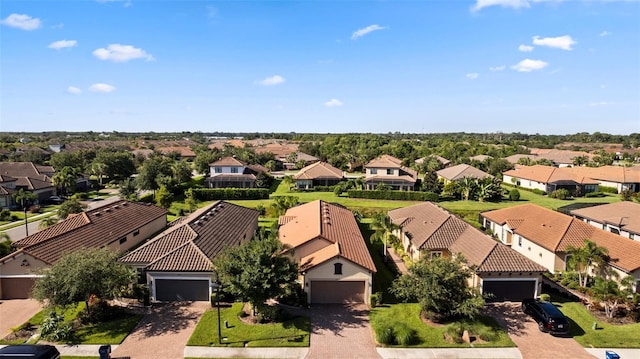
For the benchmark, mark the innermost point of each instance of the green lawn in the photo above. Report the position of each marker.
(291, 333)
(431, 336)
(606, 336)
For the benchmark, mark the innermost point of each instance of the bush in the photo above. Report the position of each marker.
(54, 328)
(404, 335)
(487, 334)
(147, 198)
(5, 215)
(376, 299)
(453, 333)
(514, 195)
(594, 194)
(211, 194)
(606, 189)
(561, 194)
(385, 335)
(394, 195)
(545, 297)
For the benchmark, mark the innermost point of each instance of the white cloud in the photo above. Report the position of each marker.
(525, 48)
(101, 88)
(497, 68)
(601, 103)
(561, 42)
(514, 4)
(334, 102)
(121, 53)
(528, 65)
(73, 90)
(366, 30)
(605, 33)
(472, 75)
(22, 21)
(273, 81)
(57, 45)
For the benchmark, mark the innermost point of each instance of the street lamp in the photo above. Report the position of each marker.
(26, 221)
(216, 287)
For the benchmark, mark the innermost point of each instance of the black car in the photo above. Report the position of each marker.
(549, 318)
(35, 351)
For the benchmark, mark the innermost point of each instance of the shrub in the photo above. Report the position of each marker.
(394, 195)
(514, 195)
(54, 328)
(404, 335)
(147, 198)
(560, 194)
(376, 299)
(606, 189)
(594, 194)
(453, 333)
(385, 335)
(211, 194)
(337, 191)
(487, 334)
(261, 209)
(545, 297)
(5, 215)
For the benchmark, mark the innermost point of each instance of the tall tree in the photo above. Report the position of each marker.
(66, 179)
(69, 207)
(5, 245)
(608, 292)
(256, 271)
(588, 257)
(384, 230)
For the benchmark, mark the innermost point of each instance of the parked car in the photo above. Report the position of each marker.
(36, 351)
(549, 318)
(55, 199)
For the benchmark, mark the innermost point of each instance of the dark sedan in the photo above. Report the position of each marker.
(549, 318)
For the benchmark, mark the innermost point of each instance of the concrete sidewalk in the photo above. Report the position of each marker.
(218, 352)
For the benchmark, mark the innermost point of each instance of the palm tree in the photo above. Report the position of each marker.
(384, 230)
(47, 222)
(590, 255)
(467, 187)
(98, 169)
(25, 198)
(66, 178)
(609, 293)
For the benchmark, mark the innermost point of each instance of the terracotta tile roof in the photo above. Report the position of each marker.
(257, 168)
(421, 221)
(514, 158)
(474, 246)
(203, 234)
(319, 256)
(583, 175)
(319, 170)
(26, 174)
(227, 161)
(182, 150)
(556, 232)
(563, 156)
(386, 161)
(92, 229)
(624, 215)
(7, 178)
(461, 171)
(4, 191)
(505, 259)
(300, 156)
(331, 223)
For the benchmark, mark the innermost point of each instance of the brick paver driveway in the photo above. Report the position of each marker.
(163, 332)
(531, 342)
(14, 312)
(341, 331)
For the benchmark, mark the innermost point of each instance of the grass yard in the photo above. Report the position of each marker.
(606, 336)
(431, 336)
(291, 333)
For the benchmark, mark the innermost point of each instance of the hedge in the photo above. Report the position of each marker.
(395, 195)
(606, 189)
(210, 194)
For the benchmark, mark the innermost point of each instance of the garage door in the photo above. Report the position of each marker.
(169, 290)
(16, 288)
(509, 290)
(337, 292)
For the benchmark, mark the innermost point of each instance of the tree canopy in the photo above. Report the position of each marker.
(69, 207)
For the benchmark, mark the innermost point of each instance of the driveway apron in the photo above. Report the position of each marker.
(163, 332)
(341, 331)
(14, 312)
(531, 342)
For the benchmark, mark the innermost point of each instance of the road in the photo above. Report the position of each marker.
(18, 233)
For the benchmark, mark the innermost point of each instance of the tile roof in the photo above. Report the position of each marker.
(182, 150)
(331, 223)
(514, 158)
(582, 175)
(625, 215)
(461, 171)
(440, 159)
(556, 232)
(92, 229)
(26, 174)
(431, 227)
(319, 170)
(383, 178)
(386, 161)
(227, 161)
(203, 234)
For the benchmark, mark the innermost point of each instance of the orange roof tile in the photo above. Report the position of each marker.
(625, 215)
(319, 170)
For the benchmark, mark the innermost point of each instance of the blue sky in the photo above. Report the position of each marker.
(531, 66)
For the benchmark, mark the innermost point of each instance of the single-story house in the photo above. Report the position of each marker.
(621, 218)
(544, 236)
(549, 179)
(426, 228)
(176, 264)
(119, 226)
(183, 152)
(27, 176)
(445, 162)
(458, 172)
(324, 239)
(318, 174)
(389, 171)
(480, 158)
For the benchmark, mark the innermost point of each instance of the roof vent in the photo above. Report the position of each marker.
(125, 203)
(108, 210)
(116, 207)
(98, 214)
(197, 222)
(327, 221)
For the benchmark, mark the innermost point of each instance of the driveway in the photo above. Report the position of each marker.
(14, 312)
(341, 331)
(163, 332)
(533, 343)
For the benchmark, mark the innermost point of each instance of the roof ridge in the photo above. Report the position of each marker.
(436, 230)
(171, 252)
(495, 245)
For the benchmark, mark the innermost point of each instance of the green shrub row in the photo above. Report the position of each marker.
(594, 194)
(210, 194)
(606, 189)
(532, 190)
(395, 195)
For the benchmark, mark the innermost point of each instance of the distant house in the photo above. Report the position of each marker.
(231, 172)
(317, 174)
(291, 160)
(514, 159)
(184, 152)
(176, 264)
(27, 176)
(544, 236)
(621, 218)
(559, 158)
(458, 172)
(388, 170)
(427, 229)
(445, 162)
(118, 226)
(479, 158)
(324, 239)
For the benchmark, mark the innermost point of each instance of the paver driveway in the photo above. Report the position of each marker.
(163, 332)
(341, 331)
(14, 312)
(531, 342)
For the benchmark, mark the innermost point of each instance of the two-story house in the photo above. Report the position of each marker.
(388, 170)
(231, 172)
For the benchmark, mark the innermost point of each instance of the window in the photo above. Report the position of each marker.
(123, 239)
(337, 268)
(614, 230)
(632, 236)
(519, 241)
(389, 171)
(234, 169)
(373, 171)
(435, 254)
(136, 232)
(217, 169)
